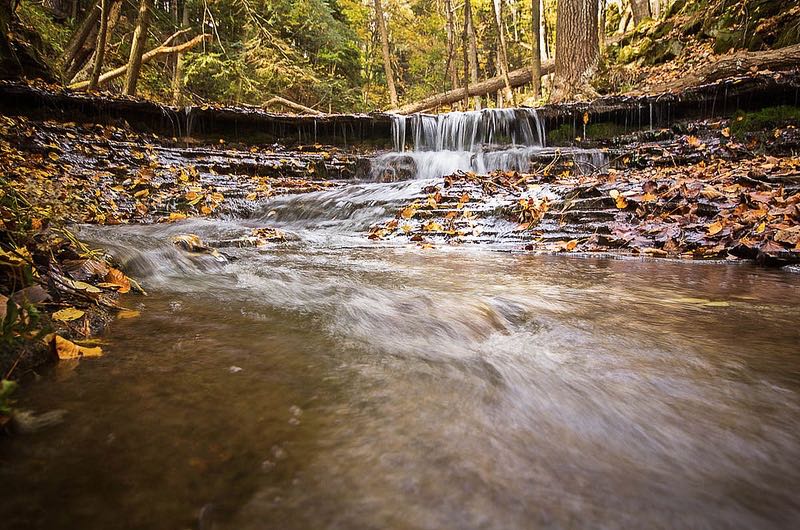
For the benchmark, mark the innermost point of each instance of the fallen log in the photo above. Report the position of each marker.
(516, 79)
(277, 100)
(163, 49)
(735, 65)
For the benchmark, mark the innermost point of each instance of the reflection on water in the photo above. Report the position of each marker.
(331, 386)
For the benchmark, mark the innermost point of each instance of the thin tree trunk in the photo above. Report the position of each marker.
(137, 48)
(387, 58)
(502, 57)
(641, 10)
(536, 53)
(471, 49)
(163, 49)
(100, 47)
(577, 48)
(79, 38)
(452, 73)
(177, 78)
(113, 17)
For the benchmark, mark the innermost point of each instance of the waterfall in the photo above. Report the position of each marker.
(468, 131)
(431, 146)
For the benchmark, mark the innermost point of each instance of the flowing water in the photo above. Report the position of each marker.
(336, 382)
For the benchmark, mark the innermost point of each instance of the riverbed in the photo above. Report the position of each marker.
(335, 382)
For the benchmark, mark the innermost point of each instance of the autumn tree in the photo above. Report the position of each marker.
(577, 49)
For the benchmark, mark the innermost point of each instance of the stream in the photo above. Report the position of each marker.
(336, 382)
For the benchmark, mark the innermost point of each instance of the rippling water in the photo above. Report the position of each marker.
(333, 383)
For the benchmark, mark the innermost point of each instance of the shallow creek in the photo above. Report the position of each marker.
(336, 382)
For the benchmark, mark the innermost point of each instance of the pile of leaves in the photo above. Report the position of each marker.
(685, 197)
(110, 175)
(52, 287)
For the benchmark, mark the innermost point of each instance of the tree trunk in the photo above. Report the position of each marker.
(113, 18)
(641, 10)
(502, 57)
(137, 48)
(163, 49)
(495, 84)
(471, 53)
(741, 63)
(452, 72)
(100, 47)
(79, 39)
(387, 58)
(577, 49)
(177, 78)
(536, 52)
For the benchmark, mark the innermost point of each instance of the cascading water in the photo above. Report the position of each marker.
(431, 146)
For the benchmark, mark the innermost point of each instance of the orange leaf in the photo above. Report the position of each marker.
(118, 278)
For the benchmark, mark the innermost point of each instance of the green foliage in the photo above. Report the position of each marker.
(765, 119)
(6, 389)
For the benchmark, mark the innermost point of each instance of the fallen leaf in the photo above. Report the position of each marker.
(714, 228)
(68, 314)
(118, 278)
(66, 349)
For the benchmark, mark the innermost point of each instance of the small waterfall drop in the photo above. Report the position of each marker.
(431, 146)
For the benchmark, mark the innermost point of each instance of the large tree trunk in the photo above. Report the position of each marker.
(387, 58)
(470, 54)
(516, 77)
(641, 10)
(577, 49)
(100, 47)
(502, 56)
(137, 48)
(738, 64)
(177, 78)
(536, 52)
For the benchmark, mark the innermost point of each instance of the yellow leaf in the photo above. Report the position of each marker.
(431, 201)
(408, 212)
(761, 227)
(432, 226)
(714, 228)
(65, 315)
(191, 195)
(571, 245)
(251, 196)
(128, 313)
(53, 156)
(142, 193)
(176, 216)
(407, 228)
(726, 132)
(66, 349)
(83, 286)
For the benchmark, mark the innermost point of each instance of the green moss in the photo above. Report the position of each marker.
(53, 36)
(565, 134)
(765, 119)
